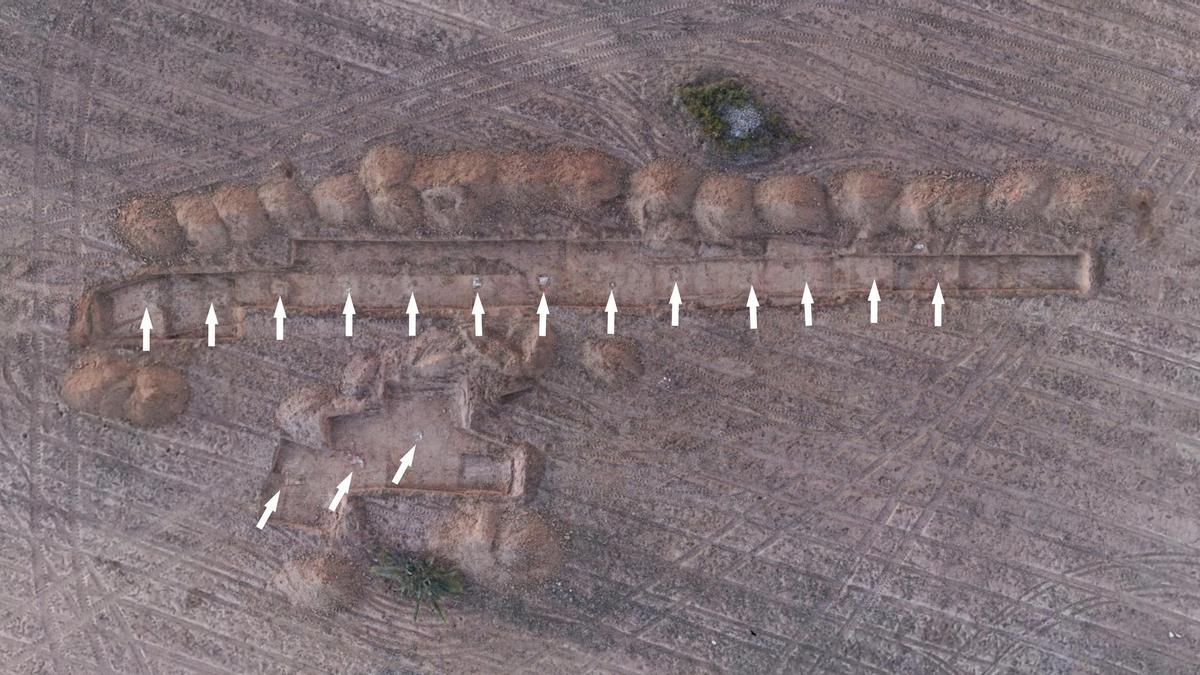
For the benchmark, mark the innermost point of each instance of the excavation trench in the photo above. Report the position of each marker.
(444, 276)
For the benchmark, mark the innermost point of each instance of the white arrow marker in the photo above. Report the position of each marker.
(348, 310)
(542, 311)
(937, 306)
(611, 310)
(272, 504)
(211, 321)
(280, 315)
(412, 314)
(752, 303)
(478, 313)
(146, 328)
(874, 300)
(342, 488)
(675, 302)
(807, 301)
(405, 462)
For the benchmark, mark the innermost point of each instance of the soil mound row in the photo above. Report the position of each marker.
(580, 192)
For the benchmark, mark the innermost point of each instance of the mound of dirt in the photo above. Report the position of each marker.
(938, 202)
(584, 179)
(724, 207)
(455, 188)
(148, 227)
(514, 348)
(100, 384)
(613, 360)
(1019, 194)
(384, 166)
(201, 223)
(1082, 203)
(397, 208)
(323, 583)
(791, 204)
(286, 204)
(341, 200)
(498, 545)
(243, 214)
(160, 394)
(863, 198)
(660, 199)
(111, 386)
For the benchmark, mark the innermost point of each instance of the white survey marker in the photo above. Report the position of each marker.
(348, 310)
(342, 488)
(752, 304)
(937, 306)
(542, 311)
(675, 302)
(807, 301)
(211, 322)
(412, 313)
(146, 328)
(477, 312)
(873, 298)
(611, 310)
(405, 462)
(268, 509)
(280, 315)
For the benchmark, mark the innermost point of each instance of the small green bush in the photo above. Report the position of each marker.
(424, 580)
(707, 102)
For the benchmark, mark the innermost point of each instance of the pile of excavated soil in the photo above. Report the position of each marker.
(115, 387)
(724, 207)
(341, 201)
(660, 199)
(244, 216)
(148, 227)
(612, 360)
(791, 204)
(498, 545)
(863, 198)
(323, 583)
(206, 232)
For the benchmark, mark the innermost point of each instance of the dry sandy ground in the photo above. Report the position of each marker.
(1015, 492)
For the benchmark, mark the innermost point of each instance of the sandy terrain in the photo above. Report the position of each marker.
(1014, 491)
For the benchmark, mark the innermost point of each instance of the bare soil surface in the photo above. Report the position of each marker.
(1015, 491)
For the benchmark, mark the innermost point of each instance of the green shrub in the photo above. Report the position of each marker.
(709, 102)
(424, 580)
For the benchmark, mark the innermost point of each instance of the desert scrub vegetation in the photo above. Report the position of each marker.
(425, 580)
(733, 120)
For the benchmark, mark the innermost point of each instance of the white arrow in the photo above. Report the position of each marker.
(280, 315)
(405, 462)
(752, 303)
(211, 321)
(146, 328)
(542, 311)
(937, 306)
(611, 310)
(348, 310)
(807, 301)
(477, 312)
(874, 299)
(342, 488)
(675, 302)
(272, 504)
(412, 314)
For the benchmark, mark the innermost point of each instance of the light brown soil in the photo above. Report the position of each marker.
(1011, 492)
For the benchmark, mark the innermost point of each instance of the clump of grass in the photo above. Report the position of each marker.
(424, 580)
(710, 103)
